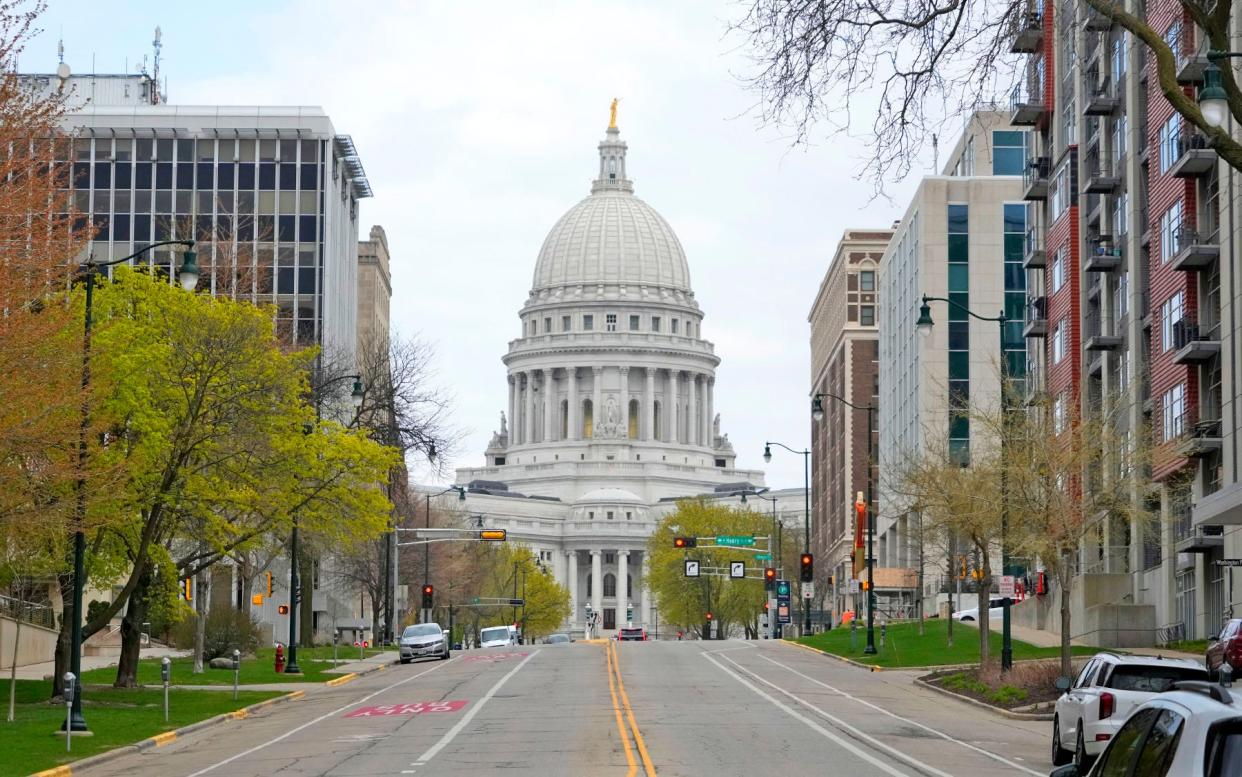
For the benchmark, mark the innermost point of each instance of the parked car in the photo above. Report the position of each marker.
(497, 636)
(632, 634)
(1194, 729)
(1226, 646)
(558, 639)
(995, 609)
(1104, 694)
(424, 640)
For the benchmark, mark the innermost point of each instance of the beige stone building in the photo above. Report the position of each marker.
(374, 287)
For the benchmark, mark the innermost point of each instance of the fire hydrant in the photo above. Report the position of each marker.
(280, 658)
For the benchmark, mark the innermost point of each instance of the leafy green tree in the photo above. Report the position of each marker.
(685, 601)
(546, 601)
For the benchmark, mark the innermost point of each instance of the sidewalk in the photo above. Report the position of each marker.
(1048, 639)
(44, 669)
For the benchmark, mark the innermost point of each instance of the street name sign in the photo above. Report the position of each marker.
(692, 568)
(737, 569)
(1228, 562)
(735, 541)
(763, 557)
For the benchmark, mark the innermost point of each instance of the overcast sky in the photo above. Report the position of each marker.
(477, 124)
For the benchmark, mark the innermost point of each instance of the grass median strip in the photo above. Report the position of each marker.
(905, 647)
(116, 716)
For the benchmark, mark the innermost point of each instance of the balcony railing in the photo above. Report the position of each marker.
(1036, 317)
(1028, 34)
(1193, 251)
(1035, 178)
(1193, 345)
(1102, 178)
(1195, 156)
(1197, 438)
(1100, 98)
(1034, 256)
(1103, 255)
(1026, 104)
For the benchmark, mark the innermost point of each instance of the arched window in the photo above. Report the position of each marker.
(633, 430)
(610, 585)
(564, 419)
(588, 420)
(658, 422)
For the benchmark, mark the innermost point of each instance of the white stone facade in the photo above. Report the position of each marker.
(610, 412)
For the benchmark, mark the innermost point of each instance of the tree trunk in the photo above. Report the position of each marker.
(306, 615)
(200, 627)
(64, 641)
(131, 633)
(985, 597)
(1063, 577)
(17, 636)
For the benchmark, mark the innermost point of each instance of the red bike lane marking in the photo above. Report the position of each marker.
(414, 708)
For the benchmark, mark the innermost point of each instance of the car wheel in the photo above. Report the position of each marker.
(445, 656)
(1060, 756)
(405, 660)
(1082, 761)
(967, 619)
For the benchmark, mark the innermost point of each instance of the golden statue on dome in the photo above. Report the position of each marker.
(612, 117)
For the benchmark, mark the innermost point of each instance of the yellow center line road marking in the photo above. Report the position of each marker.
(474, 710)
(616, 708)
(629, 711)
(319, 719)
(914, 723)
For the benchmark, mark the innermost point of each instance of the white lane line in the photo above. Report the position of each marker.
(319, 719)
(925, 727)
(743, 646)
(858, 733)
(474, 710)
(790, 711)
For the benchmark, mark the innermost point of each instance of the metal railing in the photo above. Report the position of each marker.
(1036, 309)
(1191, 140)
(1184, 333)
(1172, 632)
(29, 612)
(1036, 169)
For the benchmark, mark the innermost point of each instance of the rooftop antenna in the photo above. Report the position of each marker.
(935, 153)
(62, 70)
(60, 48)
(155, 67)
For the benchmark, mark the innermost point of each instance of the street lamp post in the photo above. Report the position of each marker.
(924, 325)
(187, 276)
(817, 413)
(461, 497)
(1213, 100)
(806, 517)
(294, 591)
(771, 548)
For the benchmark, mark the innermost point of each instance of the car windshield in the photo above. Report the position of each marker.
(491, 635)
(421, 630)
(1225, 749)
(1152, 679)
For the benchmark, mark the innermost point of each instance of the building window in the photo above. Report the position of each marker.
(1058, 343)
(1058, 414)
(673, 326)
(588, 322)
(1058, 271)
(1121, 205)
(629, 515)
(1170, 222)
(591, 515)
(1008, 152)
(547, 325)
(1170, 315)
(867, 315)
(610, 558)
(1173, 405)
(1121, 136)
(633, 323)
(1167, 139)
(655, 323)
(866, 280)
(610, 322)
(566, 323)
(610, 584)
(609, 515)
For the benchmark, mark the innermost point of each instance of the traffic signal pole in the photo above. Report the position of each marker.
(870, 649)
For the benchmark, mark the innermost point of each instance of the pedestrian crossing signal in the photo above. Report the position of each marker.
(283, 609)
(685, 542)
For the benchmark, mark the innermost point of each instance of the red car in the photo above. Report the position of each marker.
(635, 634)
(1226, 647)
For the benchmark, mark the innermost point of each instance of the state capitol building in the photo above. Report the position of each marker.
(611, 401)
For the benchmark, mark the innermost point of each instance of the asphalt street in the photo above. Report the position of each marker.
(644, 708)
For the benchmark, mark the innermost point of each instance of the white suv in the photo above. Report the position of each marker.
(1104, 694)
(1195, 729)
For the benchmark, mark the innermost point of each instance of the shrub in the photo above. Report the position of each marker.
(227, 629)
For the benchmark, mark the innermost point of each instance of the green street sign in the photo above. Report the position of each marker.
(475, 600)
(763, 557)
(735, 541)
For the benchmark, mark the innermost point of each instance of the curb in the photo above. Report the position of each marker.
(982, 704)
(164, 738)
(843, 659)
(342, 680)
(932, 668)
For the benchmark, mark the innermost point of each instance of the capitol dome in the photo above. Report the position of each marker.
(612, 237)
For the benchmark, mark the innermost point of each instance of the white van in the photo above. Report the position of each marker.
(498, 636)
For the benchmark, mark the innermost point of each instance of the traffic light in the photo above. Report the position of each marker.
(493, 535)
(767, 606)
(428, 595)
(808, 568)
(283, 609)
(769, 578)
(269, 583)
(709, 616)
(685, 542)
(187, 586)
(866, 585)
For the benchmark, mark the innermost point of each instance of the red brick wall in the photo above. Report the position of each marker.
(1064, 307)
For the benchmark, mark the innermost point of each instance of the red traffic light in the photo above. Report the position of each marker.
(685, 542)
(428, 590)
(806, 559)
(709, 616)
(769, 574)
(283, 609)
(767, 606)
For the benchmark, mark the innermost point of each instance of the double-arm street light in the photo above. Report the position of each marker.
(187, 275)
(817, 413)
(806, 517)
(924, 325)
(295, 593)
(461, 497)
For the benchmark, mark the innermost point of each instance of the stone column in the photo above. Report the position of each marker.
(597, 585)
(623, 574)
(646, 594)
(512, 411)
(648, 431)
(625, 402)
(573, 585)
(574, 421)
(674, 420)
(549, 410)
(692, 415)
(709, 415)
(597, 397)
(528, 421)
